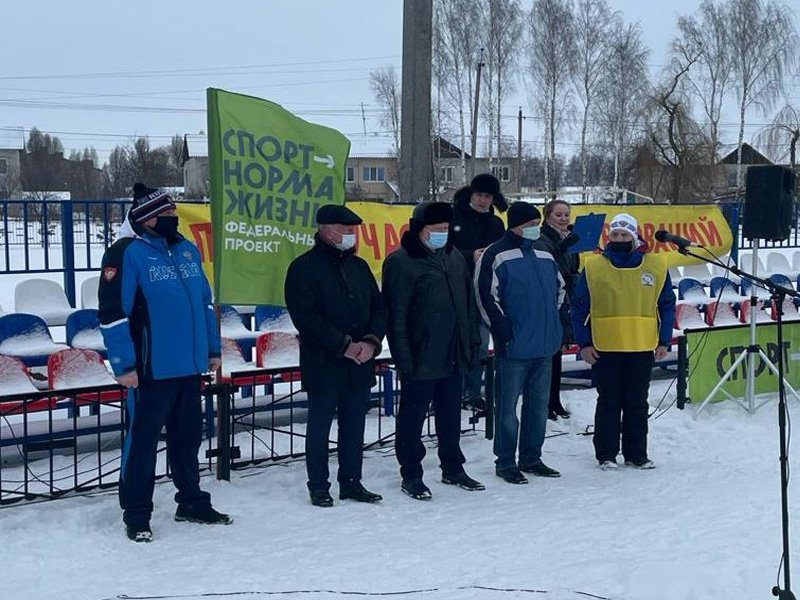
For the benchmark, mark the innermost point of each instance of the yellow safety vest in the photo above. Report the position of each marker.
(624, 303)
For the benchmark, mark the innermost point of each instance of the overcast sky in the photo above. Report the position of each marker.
(101, 72)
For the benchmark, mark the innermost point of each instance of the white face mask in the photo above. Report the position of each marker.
(532, 232)
(348, 241)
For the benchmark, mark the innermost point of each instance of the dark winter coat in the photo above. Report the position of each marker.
(471, 230)
(433, 323)
(568, 265)
(333, 299)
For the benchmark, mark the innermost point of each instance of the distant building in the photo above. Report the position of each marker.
(195, 167)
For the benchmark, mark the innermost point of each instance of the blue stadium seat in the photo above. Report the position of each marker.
(85, 324)
(692, 290)
(268, 312)
(27, 337)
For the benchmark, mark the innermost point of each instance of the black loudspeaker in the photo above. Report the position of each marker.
(768, 203)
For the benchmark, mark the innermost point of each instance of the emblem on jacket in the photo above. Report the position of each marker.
(648, 279)
(109, 273)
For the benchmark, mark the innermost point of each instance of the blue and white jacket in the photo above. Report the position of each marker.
(520, 291)
(156, 313)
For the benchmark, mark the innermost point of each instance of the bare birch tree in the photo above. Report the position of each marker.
(704, 39)
(782, 135)
(504, 28)
(551, 55)
(385, 85)
(624, 91)
(764, 43)
(594, 24)
(457, 27)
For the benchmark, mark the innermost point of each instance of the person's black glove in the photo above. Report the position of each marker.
(569, 241)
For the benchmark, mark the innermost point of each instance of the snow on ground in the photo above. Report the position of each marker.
(704, 525)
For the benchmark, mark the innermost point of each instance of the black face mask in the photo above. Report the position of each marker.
(620, 246)
(167, 227)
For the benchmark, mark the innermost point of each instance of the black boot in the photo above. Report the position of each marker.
(321, 498)
(139, 533)
(355, 491)
(202, 514)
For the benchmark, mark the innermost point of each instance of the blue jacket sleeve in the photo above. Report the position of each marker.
(580, 303)
(212, 328)
(666, 313)
(489, 283)
(116, 293)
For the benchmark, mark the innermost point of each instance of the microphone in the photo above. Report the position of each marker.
(663, 235)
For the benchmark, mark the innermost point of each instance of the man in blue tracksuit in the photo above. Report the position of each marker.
(159, 325)
(520, 291)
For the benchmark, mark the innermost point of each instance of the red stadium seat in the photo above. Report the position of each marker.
(81, 368)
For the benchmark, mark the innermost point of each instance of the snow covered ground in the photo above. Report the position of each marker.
(704, 525)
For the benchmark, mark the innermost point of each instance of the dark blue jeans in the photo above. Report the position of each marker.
(531, 379)
(415, 398)
(174, 403)
(350, 407)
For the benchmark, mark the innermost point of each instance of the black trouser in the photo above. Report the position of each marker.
(350, 408)
(415, 398)
(623, 381)
(174, 403)
(554, 404)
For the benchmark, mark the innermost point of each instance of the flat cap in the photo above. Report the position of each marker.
(334, 214)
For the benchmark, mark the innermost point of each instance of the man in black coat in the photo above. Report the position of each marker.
(434, 339)
(334, 302)
(475, 227)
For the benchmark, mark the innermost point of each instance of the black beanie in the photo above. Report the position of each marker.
(148, 203)
(522, 212)
(487, 183)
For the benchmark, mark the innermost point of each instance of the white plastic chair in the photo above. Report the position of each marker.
(43, 298)
(746, 264)
(720, 272)
(699, 272)
(89, 292)
(796, 263)
(778, 263)
(675, 276)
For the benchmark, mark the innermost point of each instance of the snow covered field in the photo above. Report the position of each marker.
(704, 525)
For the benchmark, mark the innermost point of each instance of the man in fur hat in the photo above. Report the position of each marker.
(475, 227)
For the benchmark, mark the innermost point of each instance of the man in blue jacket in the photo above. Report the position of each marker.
(159, 325)
(623, 310)
(520, 291)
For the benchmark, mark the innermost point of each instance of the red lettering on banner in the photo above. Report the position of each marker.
(204, 240)
(392, 237)
(368, 234)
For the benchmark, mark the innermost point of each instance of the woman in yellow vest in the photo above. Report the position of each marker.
(623, 309)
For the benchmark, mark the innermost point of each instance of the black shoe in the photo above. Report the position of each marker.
(642, 463)
(552, 416)
(563, 413)
(464, 481)
(539, 469)
(512, 475)
(202, 514)
(321, 498)
(139, 533)
(416, 489)
(356, 491)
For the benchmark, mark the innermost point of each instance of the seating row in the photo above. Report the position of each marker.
(776, 262)
(688, 315)
(722, 288)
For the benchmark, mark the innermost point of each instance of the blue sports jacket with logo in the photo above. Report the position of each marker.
(155, 308)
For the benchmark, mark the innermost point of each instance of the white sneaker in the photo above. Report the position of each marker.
(646, 464)
(609, 465)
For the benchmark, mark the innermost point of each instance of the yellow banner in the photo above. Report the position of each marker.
(384, 225)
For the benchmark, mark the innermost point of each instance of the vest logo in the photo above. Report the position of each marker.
(648, 279)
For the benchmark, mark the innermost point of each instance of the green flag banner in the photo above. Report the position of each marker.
(712, 352)
(270, 172)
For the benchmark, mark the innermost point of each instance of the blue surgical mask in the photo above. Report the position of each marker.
(348, 241)
(532, 232)
(437, 240)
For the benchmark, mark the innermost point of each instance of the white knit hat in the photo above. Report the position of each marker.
(624, 222)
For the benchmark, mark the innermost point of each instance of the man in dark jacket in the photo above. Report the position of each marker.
(519, 292)
(158, 323)
(475, 226)
(433, 336)
(334, 302)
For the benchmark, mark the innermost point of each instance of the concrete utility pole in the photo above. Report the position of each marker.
(474, 148)
(415, 126)
(519, 150)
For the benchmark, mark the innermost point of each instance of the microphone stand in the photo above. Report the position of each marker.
(778, 295)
